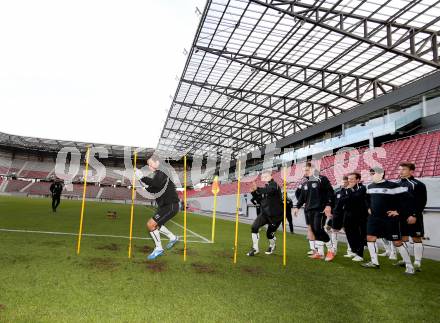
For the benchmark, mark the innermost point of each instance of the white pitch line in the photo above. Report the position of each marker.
(196, 234)
(92, 235)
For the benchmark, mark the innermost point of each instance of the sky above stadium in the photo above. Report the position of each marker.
(95, 71)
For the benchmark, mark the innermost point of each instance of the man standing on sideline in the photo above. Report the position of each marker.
(317, 197)
(55, 189)
(412, 226)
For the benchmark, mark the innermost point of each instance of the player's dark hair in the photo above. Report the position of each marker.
(355, 174)
(345, 178)
(410, 166)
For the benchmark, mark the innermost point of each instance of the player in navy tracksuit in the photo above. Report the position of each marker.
(164, 190)
(317, 197)
(386, 207)
(412, 226)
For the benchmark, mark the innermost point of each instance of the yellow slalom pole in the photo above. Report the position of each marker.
(133, 196)
(236, 213)
(78, 249)
(215, 190)
(184, 208)
(284, 222)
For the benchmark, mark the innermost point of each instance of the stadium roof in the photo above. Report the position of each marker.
(259, 71)
(53, 145)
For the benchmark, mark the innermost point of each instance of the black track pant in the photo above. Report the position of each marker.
(355, 231)
(261, 221)
(317, 222)
(290, 221)
(55, 202)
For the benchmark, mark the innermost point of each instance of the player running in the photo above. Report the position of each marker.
(164, 190)
(271, 213)
(412, 226)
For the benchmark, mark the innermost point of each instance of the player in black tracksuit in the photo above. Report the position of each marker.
(310, 236)
(164, 191)
(317, 198)
(289, 207)
(337, 220)
(355, 215)
(412, 226)
(386, 201)
(271, 213)
(55, 189)
(256, 200)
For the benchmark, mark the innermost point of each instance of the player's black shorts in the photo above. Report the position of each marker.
(412, 230)
(337, 221)
(388, 228)
(165, 213)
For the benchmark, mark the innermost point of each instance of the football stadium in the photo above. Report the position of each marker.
(295, 178)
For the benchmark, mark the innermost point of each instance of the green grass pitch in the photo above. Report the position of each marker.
(43, 280)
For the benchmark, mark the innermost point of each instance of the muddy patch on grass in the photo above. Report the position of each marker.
(202, 268)
(157, 266)
(111, 247)
(154, 266)
(144, 249)
(102, 264)
(189, 252)
(2, 307)
(224, 254)
(252, 270)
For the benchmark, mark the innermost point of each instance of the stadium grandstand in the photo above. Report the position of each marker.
(300, 81)
(28, 167)
(268, 87)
